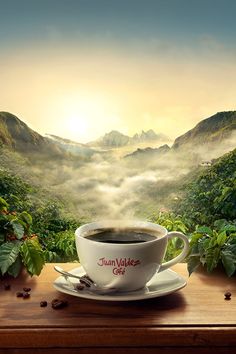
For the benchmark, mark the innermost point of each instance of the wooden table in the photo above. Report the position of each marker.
(196, 319)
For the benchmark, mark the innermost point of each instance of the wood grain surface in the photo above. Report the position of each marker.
(196, 319)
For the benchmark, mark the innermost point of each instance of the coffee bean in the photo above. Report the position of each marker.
(19, 294)
(59, 304)
(55, 300)
(27, 290)
(7, 286)
(26, 295)
(228, 295)
(43, 304)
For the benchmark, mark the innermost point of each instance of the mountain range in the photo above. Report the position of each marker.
(214, 132)
(16, 135)
(115, 139)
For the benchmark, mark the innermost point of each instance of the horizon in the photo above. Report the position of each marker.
(139, 132)
(79, 71)
(166, 138)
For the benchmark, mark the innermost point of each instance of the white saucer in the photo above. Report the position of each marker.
(161, 284)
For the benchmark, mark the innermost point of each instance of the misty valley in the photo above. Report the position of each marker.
(188, 185)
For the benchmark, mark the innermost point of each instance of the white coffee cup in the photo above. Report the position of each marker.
(125, 266)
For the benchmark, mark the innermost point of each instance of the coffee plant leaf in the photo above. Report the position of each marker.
(9, 252)
(32, 256)
(18, 229)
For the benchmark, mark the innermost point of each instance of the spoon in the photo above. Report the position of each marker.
(90, 285)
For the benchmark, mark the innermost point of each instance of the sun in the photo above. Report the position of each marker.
(77, 126)
(85, 116)
(78, 116)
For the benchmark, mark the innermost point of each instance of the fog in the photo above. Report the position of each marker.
(109, 185)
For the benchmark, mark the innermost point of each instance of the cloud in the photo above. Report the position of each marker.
(108, 187)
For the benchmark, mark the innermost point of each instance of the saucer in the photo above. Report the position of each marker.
(161, 284)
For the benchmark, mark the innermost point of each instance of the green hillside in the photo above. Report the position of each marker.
(212, 193)
(213, 129)
(16, 134)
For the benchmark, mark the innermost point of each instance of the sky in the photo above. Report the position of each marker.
(81, 68)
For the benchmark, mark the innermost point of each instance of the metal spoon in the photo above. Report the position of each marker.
(90, 285)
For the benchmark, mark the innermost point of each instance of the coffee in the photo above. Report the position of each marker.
(124, 255)
(120, 236)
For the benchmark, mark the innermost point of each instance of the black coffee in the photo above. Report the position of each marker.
(121, 236)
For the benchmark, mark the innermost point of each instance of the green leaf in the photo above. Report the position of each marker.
(15, 268)
(32, 256)
(26, 217)
(212, 258)
(2, 238)
(204, 230)
(9, 251)
(193, 264)
(230, 228)
(194, 250)
(18, 229)
(232, 248)
(195, 237)
(221, 238)
(3, 204)
(220, 224)
(228, 260)
(203, 245)
(213, 241)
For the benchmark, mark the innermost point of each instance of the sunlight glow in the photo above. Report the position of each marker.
(77, 125)
(84, 115)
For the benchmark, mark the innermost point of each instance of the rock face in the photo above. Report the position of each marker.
(215, 129)
(115, 139)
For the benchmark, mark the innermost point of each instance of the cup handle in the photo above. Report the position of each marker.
(181, 256)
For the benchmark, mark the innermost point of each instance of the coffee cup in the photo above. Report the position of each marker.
(125, 255)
